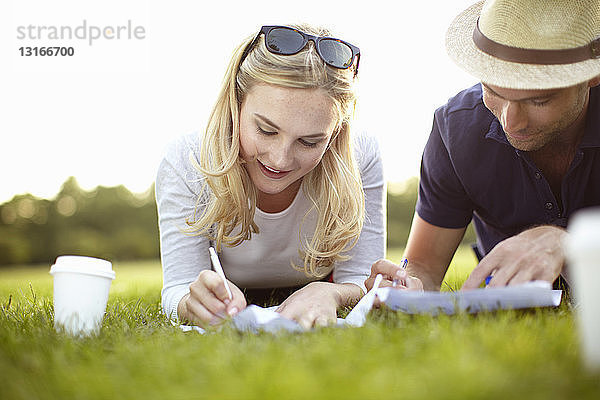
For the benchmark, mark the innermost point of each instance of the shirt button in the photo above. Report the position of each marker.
(538, 175)
(549, 206)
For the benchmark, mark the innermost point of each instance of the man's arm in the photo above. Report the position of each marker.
(429, 250)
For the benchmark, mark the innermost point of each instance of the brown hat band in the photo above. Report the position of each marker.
(535, 56)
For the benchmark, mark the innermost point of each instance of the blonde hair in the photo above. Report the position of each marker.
(334, 186)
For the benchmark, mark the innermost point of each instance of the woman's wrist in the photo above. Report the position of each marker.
(350, 294)
(182, 308)
(343, 294)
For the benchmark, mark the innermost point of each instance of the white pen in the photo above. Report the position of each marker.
(219, 270)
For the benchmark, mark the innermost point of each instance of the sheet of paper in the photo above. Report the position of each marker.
(358, 316)
(534, 294)
(254, 319)
(529, 295)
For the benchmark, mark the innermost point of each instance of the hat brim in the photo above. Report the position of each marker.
(506, 74)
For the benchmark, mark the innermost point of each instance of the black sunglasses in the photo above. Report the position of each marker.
(287, 41)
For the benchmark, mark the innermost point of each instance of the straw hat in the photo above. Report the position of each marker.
(528, 44)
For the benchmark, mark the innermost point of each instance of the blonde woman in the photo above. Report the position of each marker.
(277, 184)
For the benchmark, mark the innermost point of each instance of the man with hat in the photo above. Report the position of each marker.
(518, 153)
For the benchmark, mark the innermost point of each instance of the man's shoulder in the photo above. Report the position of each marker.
(467, 100)
(464, 117)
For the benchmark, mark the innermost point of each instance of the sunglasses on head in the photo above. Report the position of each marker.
(287, 41)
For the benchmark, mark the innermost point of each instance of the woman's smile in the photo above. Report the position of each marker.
(272, 172)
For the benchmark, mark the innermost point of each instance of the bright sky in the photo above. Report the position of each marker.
(105, 114)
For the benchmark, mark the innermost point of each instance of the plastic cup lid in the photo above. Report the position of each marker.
(83, 265)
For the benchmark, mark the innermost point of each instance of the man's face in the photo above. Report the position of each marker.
(532, 119)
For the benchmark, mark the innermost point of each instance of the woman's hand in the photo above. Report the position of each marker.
(208, 301)
(316, 304)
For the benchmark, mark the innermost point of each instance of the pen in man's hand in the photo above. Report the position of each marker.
(219, 270)
(403, 265)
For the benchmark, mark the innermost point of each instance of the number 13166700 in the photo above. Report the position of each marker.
(46, 51)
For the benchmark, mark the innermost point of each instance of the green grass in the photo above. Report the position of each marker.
(133, 280)
(139, 355)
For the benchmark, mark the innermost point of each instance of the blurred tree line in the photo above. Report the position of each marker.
(107, 222)
(401, 201)
(115, 224)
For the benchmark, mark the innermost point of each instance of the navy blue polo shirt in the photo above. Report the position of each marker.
(470, 171)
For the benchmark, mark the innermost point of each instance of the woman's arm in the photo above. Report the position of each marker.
(177, 188)
(191, 291)
(370, 246)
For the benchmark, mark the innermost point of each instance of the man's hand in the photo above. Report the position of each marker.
(534, 254)
(390, 273)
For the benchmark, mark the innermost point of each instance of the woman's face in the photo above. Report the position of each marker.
(284, 133)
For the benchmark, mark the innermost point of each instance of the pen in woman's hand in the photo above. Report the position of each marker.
(219, 270)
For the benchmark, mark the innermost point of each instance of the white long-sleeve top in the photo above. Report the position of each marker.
(265, 260)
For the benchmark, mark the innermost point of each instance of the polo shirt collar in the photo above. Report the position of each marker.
(495, 132)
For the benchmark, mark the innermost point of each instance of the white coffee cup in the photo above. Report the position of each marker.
(81, 286)
(582, 248)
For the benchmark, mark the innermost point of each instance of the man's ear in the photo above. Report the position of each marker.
(594, 81)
